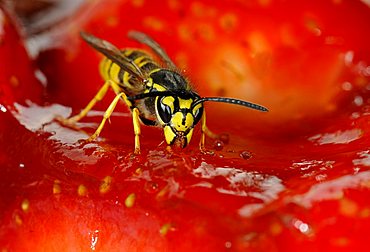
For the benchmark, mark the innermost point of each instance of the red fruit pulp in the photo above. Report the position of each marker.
(294, 178)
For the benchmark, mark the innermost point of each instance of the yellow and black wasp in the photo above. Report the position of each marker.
(157, 96)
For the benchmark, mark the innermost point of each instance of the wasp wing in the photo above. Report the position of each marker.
(157, 49)
(114, 54)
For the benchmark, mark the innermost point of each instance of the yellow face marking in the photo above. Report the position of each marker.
(179, 129)
(180, 123)
(169, 100)
(185, 103)
(169, 135)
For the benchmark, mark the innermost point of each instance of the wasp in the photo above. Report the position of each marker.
(156, 92)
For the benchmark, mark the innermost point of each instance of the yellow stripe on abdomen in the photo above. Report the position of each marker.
(114, 72)
(104, 68)
(111, 71)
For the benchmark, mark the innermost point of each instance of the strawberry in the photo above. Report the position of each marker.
(294, 178)
(19, 79)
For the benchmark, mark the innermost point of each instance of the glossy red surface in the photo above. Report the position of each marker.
(294, 178)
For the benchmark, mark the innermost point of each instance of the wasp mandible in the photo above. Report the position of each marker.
(156, 95)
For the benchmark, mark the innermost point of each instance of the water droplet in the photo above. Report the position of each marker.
(348, 58)
(228, 245)
(218, 145)
(301, 226)
(21, 165)
(245, 155)
(151, 187)
(347, 86)
(359, 101)
(355, 115)
(3, 108)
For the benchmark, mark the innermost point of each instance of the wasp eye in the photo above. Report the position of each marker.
(197, 113)
(164, 111)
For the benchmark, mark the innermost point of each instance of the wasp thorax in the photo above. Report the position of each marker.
(178, 118)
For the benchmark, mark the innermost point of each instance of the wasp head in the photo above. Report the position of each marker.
(178, 117)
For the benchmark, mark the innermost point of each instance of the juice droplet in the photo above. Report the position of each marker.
(245, 155)
(218, 145)
(151, 187)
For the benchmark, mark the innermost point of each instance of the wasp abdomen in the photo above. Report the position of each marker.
(111, 71)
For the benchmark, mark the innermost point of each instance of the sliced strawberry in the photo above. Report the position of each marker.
(294, 178)
(18, 76)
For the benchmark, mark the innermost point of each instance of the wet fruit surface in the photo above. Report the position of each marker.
(294, 178)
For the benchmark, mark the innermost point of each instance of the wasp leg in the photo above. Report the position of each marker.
(206, 131)
(137, 130)
(108, 113)
(106, 116)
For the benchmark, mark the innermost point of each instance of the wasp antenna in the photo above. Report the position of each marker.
(232, 101)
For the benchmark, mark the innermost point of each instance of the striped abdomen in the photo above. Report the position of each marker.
(111, 71)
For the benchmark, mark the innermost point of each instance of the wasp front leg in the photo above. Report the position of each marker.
(108, 113)
(208, 132)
